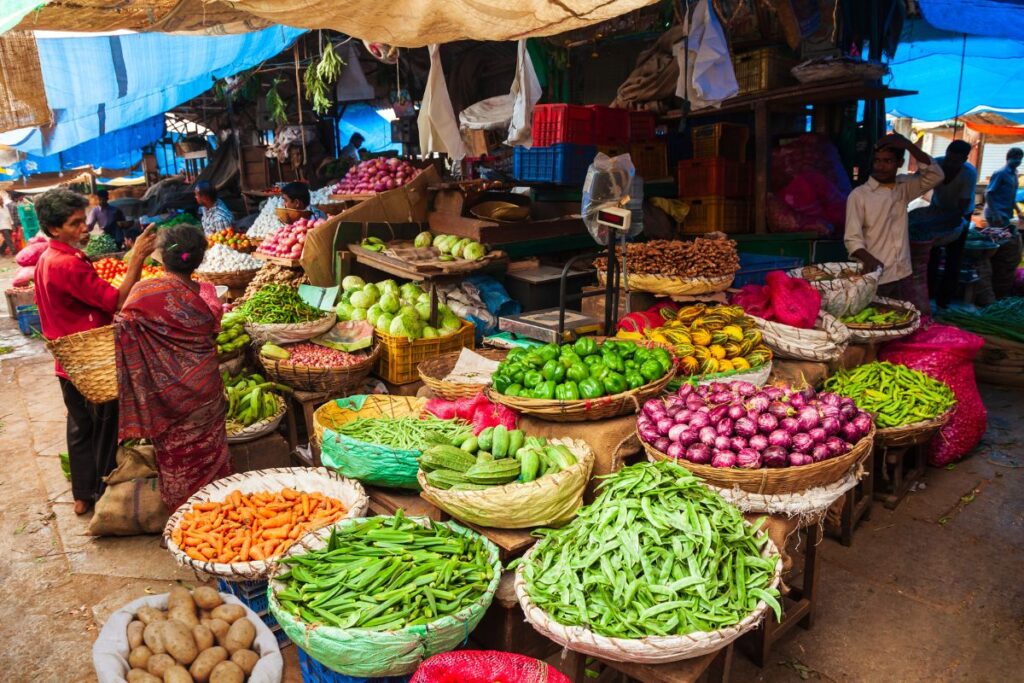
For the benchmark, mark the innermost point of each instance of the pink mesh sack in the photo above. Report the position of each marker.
(946, 353)
(485, 666)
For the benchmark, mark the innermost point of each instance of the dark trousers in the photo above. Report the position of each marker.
(943, 287)
(92, 442)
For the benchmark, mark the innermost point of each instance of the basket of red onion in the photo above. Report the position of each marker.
(764, 440)
(312, 367)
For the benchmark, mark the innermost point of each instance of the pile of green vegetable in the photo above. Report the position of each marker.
(251, 399)
(878, 316)
(1005, 319)
(100, 244)
(408, 433)
(232, 336)
(657, 554)
(895, 394)
(385, 574)
(179, 219)
(584, 369)
(277, 304)
(496, 457)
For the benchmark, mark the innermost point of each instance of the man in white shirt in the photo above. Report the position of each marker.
(877, 231)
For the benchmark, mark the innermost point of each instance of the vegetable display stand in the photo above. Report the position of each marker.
(19, 296)
(434, 370)
(305, 403)
(856, 504)
(385, 501)
(710, 668)
(897, 470)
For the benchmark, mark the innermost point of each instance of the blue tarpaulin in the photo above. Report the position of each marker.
(375, 129)
(998, 18)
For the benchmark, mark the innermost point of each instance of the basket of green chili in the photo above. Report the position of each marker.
(658, 569)
(375, 597)
(276, 314)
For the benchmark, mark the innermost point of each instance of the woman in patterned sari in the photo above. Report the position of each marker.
(170, 389)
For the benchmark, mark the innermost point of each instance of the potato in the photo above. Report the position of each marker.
(148, 615)
(207, 659)
(177, 674)
(207, 598)
(229, 613)
(158, 664)
(135, 630)
(153, 637)
(184, 614)
(139, 657)
(240, 636)
(227, 672)
(203, 637)
(246, 659)
(180, 597)
(140, 676)
(204, 614)
(220, 629)
(179, 643)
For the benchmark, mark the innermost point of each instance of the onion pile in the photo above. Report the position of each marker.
(740, 425)
(287, 241)
(376, 175)
(222, 259)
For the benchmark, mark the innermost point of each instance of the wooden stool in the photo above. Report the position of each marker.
(711, 668)
(897, 469)
(857, 503)
(307, 402)
(797, 607)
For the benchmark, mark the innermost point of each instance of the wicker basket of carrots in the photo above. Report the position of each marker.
(233, 528)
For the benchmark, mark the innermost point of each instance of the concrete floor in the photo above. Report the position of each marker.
(931, 591)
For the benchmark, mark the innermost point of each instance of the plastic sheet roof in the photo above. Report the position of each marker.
(996, 18)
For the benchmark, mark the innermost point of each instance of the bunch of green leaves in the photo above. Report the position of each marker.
(276, 108)
(319, 76)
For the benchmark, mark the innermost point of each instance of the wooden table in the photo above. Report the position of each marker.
(857, 503)
(897, 469)
(307, 402)
(711, 668)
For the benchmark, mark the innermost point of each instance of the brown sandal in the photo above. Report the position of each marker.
(82, 506)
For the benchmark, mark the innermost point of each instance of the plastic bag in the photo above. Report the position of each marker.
(608, 181)
(29, 256)
(24, 276)
(947, 354)
(485, 666)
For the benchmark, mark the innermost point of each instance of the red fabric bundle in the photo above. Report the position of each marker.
(794, 301)
(485, 666)
(754, 300)
(478, 411)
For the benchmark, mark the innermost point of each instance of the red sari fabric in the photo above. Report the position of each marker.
(170, 388)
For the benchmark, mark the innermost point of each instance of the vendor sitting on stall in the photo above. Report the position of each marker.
(350, 152)
(296, 196)
(214, 213)
(1000, 207)
(877, 233)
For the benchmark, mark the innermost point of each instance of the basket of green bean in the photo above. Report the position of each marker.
(276, 314)
(377, 596)
(909, 407)
(658, 569)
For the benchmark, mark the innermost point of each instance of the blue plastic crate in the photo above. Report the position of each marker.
(562, 164)
(252, 593)
(535, 165)
(315, 672)
(755, 267)
(28, 319)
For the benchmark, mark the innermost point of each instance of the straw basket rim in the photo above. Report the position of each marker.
(412, 403)
(433, 371)
(318, 378)
(95, 379)
(264, 426)
(914, 433)
(670, 285)
(770, 480)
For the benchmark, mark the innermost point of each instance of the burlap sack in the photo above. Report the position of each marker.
(131, 503)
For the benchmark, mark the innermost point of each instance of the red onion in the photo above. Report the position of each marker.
(775, 456)
(797, 401)
(685, 390)
(676, 431)
(672, 411)
(744, 388)
(722, 443)
(676, 450)
(683, 416)
(648, 432)
(723, 459)
(780, 437)
(699, 453)
(664, 424)
(819, 452)
(724, 427)
(789, 424)
(758, 442)
(766, 423)
(836, 446)
(825, 410)
(745, 427)
(808, 418)
(749, 459)
(654, 409)
(850, 432)
(693, 402)
(707, 435)
(758, 404)
(662, 443)
(863, 422)
(830, 399)
(720, 397)
(817, 435)
(736, 443)
(687, 436)
(779, 410)
(718, 414)
(798, 459)
(716, 387)
(736, 411)
(847, 409)
(700, 420)
(802, 443)
(830, 425)
(774, 393)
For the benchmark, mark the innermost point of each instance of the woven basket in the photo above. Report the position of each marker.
(89, 360)
(864, 336)
(289, 333)
(335, 413)
(650, 650)
(551, 500)
(825, 342)
(235, 279)
(401, 355)
(843, 295)
(307, 479)
(774, 479)
(332, 380)
(433, 371)
(261, 428)
(671, 286)
(912, 434)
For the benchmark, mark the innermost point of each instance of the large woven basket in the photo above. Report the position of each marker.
(860, 335)
(89, 360)
(333, 414)
(303, 479)
(551, 500)
(774, 479)
(825, 342)
(434, 370)
(289, 333)
(671, 286)
(1000, 362)
(912, 434)
(260, 429)
(843, 295)
(650, 650)
(235, 279)
(342, 381)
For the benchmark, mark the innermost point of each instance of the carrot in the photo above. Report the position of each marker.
(289, 494)
(278, 520)
(277, 532)
(205, 507)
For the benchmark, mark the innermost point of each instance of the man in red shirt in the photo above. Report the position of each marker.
(72, 298)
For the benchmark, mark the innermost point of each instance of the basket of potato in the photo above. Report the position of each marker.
(198, 636)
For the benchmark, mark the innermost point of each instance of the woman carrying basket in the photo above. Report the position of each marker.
(170, 387)
(73, 298)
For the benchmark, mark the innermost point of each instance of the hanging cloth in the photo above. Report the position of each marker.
(439, 129)
(352, 85)
(526, 92)
(706, 74)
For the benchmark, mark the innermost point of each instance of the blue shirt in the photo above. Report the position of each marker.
(1001, 194)
(947, 196)
(216, 218)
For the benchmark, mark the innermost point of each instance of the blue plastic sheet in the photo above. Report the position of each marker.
(998, 18)
(363, 119)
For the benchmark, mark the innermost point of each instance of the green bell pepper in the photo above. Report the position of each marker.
(635, 380)
(548, 352)
(544, 390)
(651, 370)
(631, 364)
(516, 354)
(626, 348)
(513, 390)
(593, 360)
(501, 383)
(614, 383)
(533, 359)
(567, 391)
(584, 346)
(532, 378)
(554, 371)
(568, 359)
(613, 361)
(591, 388)
(577, 372)
(663, 357)
(599, 370)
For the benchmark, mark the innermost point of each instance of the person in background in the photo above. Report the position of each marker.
(1000, 208)
(213, 212)
(953, 201)
(877, 231)
(296, 196)
(72, 298)
(6, 225)
(350, 152)
(167, 371)
(107, 218)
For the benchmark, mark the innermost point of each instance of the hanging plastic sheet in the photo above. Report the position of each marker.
(996, 18)
(706, 74)
(439, 129)
(525, 94)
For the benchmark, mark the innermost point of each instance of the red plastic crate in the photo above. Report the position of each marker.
(641, 126)
(611, 126)
(714, 178)
(555, 123)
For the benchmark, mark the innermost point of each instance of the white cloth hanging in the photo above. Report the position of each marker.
(352, 85)
(706, 76)
(439, 129)
(525, 93)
